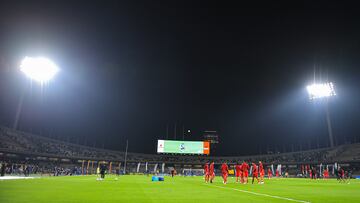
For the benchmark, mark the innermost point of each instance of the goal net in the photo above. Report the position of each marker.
(192, 172)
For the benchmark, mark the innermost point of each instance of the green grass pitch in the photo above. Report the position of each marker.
(136, 188)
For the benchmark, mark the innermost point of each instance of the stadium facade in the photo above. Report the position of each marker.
(19, 148)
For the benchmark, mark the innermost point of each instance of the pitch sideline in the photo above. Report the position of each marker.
(261, 194)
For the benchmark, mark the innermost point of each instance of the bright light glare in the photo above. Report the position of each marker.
(39, 68)
(317, 91)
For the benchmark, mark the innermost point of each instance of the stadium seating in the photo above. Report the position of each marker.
(28, 146)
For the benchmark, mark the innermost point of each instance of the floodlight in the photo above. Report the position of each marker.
(317, 91)
(39, 68)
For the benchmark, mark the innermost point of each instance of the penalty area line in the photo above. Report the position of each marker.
(260, 194)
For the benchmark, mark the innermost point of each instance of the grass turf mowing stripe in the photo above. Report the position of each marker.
(261, 194)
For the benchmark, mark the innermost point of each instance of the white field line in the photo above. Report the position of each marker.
(260, 194)
(14, 177)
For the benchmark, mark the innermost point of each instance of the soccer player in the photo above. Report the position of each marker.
(225, 172)
(337, 173)
(314, 173)
(206, 172)
(303, 170)
(102, 171)
(238, 171)
(262, 172)
(255, 173)
(173, 172)
(269, 173)
(245, 171)
(342, 174)
(3, 168)
(211, 172)
(348, 175)
(325, 174)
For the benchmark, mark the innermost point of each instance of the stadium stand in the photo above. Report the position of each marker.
(56, 157)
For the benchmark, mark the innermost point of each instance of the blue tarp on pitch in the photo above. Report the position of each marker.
(157, 178)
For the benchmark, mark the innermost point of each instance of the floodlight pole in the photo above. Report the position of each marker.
(19, 108)
(18, 112)
(183, 132)
(127, 143)
(20, 105)
(331, 138)
(323, 92)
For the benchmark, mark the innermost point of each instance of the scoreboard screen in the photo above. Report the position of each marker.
(183, 147)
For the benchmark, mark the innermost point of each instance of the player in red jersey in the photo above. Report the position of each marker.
(242, 174)
(262, 172)
(325, 174)
(206, 172)
(225, 172)
(269, 173)
(307, 170)
(238, 171)
(245, 171)
(211, 172)
(255, 173)
(303, 170)
(342, 174)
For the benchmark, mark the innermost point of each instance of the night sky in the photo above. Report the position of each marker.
(129, 69)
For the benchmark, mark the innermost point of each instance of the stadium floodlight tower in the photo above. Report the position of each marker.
(323, 91)
(39, 69)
